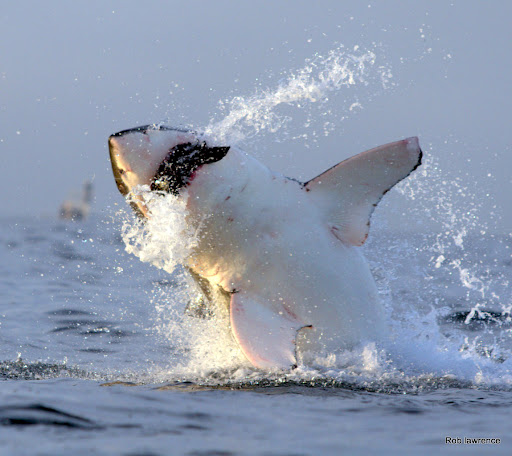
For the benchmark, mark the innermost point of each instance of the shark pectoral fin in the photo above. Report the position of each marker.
(266, 338)
(350, 190)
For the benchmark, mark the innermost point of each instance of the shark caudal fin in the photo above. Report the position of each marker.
(351, 189)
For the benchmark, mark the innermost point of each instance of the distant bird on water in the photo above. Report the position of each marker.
(78, 208)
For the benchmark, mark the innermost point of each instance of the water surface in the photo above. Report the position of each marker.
(94, 356)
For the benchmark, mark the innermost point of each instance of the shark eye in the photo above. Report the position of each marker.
(121, 171)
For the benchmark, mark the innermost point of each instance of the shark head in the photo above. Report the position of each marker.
(161, 157)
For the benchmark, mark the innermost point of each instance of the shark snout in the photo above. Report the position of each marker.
(118, 170)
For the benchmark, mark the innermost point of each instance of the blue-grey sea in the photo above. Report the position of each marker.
(94, 357)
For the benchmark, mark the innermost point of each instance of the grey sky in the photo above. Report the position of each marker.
(72, 73)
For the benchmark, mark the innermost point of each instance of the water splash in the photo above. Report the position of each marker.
(165, 239)
(455, 207)
(246, 117)
(457, 272)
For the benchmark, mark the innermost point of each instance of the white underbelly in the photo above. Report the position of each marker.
(292, 262)
(311, 277)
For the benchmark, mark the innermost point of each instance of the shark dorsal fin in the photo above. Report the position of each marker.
(350, 190)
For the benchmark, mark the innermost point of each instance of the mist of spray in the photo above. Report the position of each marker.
(246, 117)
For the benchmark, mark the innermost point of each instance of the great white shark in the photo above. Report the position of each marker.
(284, 255)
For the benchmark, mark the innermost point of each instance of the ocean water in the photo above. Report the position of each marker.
(97, 356)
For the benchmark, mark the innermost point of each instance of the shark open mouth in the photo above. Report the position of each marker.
(181, 162)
